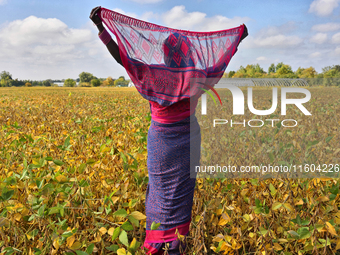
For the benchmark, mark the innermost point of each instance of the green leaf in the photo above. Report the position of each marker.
(90, 161)
(154, 225)
(329, 138)
(258, 202)
(133, 221)
(304, 233)
(124, 157)
(7, 195)
(262, 231)
(127, 226)
(123, 238)
(113, 248)
(81, 253)
(276, 205)
(58, 162)
(121, 213)
(89, 249)
(272, 189)
(293, 234)
(67, 234)
(48, 158)
(81, 168)
(116, 233)
(67, 142)
(53, 210)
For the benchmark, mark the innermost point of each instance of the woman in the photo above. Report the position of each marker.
(174, 136)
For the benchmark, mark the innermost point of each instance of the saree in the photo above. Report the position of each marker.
(162, 62)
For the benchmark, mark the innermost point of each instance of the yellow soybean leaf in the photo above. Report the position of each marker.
(17, 217)
(56, 244)
(76, 245)
(224, 219)
(103, 230)
(61, 178)
(218, 238)
(277, 247)
(276, 205)
(110, 231)
(288, 207)
(322, 199)
(138, 215)
(70, 240)
(337, 245)
(300, 202)
(133, 244)
(121, 251)
(331, 229)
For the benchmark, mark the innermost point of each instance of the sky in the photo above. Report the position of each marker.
(42, 39)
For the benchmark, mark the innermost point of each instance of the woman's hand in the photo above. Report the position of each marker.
(94, 16)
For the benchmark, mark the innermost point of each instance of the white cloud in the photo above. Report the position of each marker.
(315, 55)
(323, 7)
(147, 1)
(336, 38)
(130, 14)
(178, 17)
(327, 27)
(319, 38)
(274, 37)
(42, 46)
(278, 41)
(337, 50)
(262, 58)
(33, 30)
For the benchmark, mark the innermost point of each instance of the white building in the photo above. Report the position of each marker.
(131, 84)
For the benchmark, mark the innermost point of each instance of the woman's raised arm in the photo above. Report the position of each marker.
(103, 34)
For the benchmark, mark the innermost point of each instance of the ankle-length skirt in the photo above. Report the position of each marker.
(170, 191)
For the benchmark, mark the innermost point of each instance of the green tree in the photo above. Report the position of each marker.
(108, 82)
(308, 73)
(231, 74)
(95, 83)
(271, 69)
(331, 71)
(5, 75)
(6, 79)
(251, 71)
(47, 83)
(299, 71)
(285, 71)
(278, 66)
(86, 77)
(119, 82)
(69, 83)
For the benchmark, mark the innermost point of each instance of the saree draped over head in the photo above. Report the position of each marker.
(161, 63)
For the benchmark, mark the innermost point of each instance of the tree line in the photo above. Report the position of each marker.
(329, 76)
(85, 80)
(282, 70)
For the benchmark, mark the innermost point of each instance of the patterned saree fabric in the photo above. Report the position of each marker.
(161, 61)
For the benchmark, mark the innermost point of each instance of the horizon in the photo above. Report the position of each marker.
(48, 40)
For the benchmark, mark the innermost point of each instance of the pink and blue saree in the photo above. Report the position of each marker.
(161, 62)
